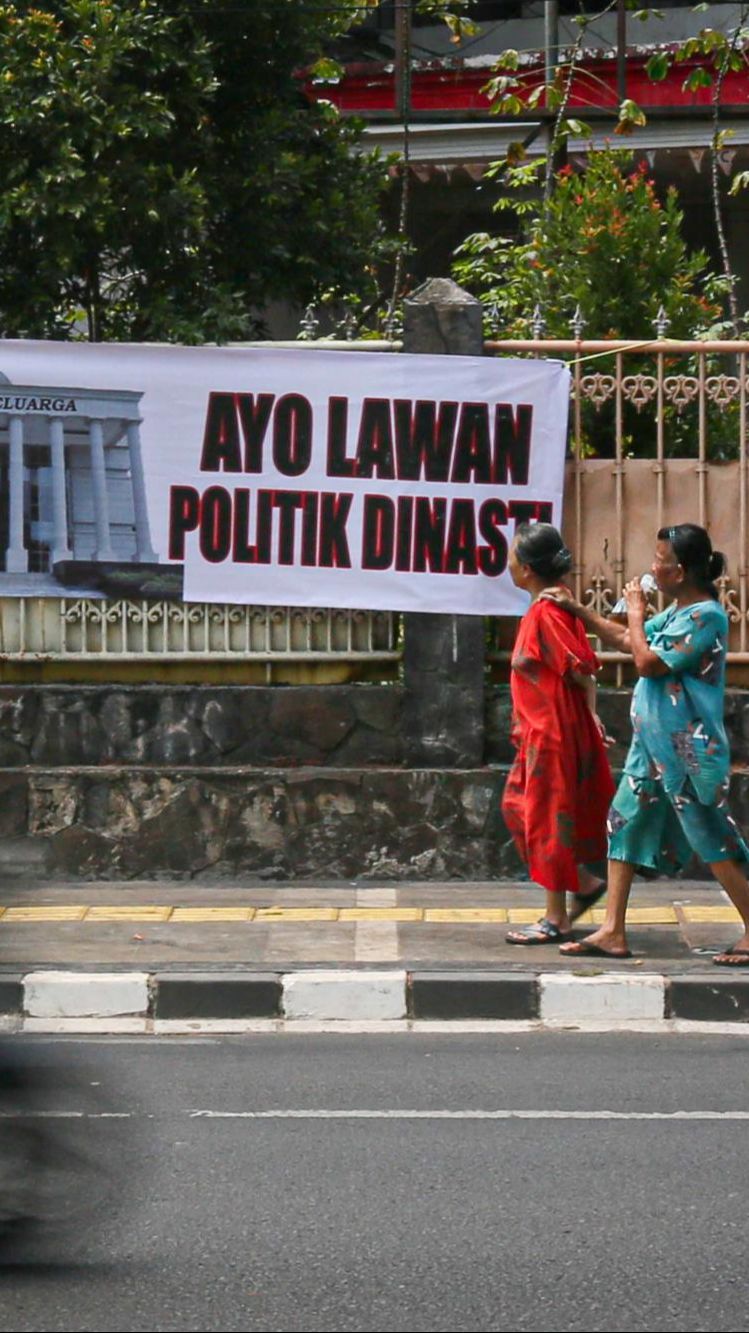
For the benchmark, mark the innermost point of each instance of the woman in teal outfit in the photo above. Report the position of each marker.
(672, 799)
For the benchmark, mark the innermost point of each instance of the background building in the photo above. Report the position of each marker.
(434, 110)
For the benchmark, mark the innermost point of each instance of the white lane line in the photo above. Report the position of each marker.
(387, 1114)
(320, 1114)
(68, 1115)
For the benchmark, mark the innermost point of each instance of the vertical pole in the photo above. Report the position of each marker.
(742, 568)
(619, 560)
(621, 50)
(702, 464)
(443, 659)
(401, 79)
(551, 38)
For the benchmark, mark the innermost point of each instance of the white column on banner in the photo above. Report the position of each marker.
(143, 548)
(16, 556)
(103, 549)
(60, 548)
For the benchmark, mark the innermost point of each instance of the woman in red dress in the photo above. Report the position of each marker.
(559, 788)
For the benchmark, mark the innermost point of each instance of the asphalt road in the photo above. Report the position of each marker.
(473, 1220)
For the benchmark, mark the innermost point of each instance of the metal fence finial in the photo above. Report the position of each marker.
(538, 323)
(661, 323)
(309, 324)
(578, 322)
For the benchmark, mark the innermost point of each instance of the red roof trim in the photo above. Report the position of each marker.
(368, 88)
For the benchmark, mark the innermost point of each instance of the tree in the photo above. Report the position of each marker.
(712, 54)
(603, 243)
(164, 174)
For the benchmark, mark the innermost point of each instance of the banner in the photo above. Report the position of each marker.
(306, 477)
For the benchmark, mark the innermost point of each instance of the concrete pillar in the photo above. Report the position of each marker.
(16, 556)
(443, 660)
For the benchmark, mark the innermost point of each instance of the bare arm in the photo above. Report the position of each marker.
(589, 686)
(647, 663)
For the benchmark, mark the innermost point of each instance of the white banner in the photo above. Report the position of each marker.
(369, 480)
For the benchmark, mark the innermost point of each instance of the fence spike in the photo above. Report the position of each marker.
(661, 323)
(538, 323)
(309, 324)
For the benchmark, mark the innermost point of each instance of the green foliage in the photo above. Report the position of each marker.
(163, 174)
(603, 242)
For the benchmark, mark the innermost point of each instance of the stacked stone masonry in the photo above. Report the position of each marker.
(277, 783)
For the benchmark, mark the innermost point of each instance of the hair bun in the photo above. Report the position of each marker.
(716, 564)
(561, 560)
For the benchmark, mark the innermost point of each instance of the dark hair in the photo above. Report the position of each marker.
(694, 551)
(540, 546)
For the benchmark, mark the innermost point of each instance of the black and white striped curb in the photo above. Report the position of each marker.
(39, 999)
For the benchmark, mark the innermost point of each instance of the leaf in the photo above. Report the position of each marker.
(631, 117)
(509, 59)
(658, 66)
(499, 85)
(516, 152)
(698, 78)
(461, 27)
(577, 127)
(740, 182)
(510, 105)
(326, 70)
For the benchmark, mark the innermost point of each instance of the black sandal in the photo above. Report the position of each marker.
(541, 932)
(584, 901)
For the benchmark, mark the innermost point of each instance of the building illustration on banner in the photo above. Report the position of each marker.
(72, 487)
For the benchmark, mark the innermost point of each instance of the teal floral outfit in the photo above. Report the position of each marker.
(672, 799)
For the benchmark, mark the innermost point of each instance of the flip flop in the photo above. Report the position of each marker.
(581, 949)
(742, 954)
(582, 901)
(542, 932)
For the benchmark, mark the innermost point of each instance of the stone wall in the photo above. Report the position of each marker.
(353, 824)
(120, 783)
(343, 725)
(125, 823)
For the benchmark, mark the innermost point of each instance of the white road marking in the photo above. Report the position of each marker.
(320, 1114)
(183, 1031)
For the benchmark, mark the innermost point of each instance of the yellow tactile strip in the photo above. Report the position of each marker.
(205, 915)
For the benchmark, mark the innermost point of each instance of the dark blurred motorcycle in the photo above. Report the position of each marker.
(47, 1182)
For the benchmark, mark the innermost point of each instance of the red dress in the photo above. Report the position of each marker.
(560, 786)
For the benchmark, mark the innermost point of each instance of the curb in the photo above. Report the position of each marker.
(129, 1001)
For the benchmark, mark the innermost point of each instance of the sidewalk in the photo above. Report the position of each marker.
(129, 954)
